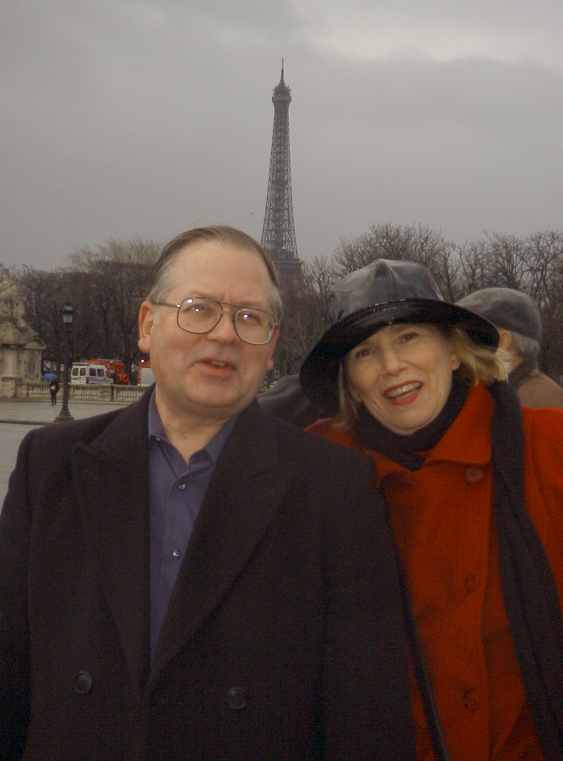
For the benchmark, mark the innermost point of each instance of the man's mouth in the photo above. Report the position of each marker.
(218, 364)
(396, 392)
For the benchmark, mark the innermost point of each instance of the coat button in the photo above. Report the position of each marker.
(83, 683)
(236, 698)
(470, 583)
(473, 475)
(470, 700)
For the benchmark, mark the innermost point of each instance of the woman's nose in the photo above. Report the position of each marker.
(390, 361)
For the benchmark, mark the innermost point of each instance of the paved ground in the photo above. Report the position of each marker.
(18, 417)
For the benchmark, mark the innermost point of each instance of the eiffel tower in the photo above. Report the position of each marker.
(278, 232)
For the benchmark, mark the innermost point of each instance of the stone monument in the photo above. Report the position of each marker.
(21, 348)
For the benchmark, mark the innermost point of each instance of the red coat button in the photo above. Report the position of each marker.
(470, 700)
(470, 583)
(473, 475)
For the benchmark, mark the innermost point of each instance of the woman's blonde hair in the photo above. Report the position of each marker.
(478, 364)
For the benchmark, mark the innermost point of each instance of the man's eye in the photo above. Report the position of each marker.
(198, 306)
(247, 315)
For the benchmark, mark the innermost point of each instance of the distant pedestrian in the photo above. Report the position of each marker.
(54, 390)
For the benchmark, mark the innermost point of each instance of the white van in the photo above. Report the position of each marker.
(85, 373)
(146, 376)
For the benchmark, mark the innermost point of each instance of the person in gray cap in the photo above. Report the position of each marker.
(474, 484)
(518, 320)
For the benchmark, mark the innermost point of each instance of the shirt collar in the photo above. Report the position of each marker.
(213, 448)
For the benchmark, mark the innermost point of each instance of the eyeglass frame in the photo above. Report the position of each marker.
(232, 314)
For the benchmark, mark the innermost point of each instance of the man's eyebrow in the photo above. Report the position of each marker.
(254, 303)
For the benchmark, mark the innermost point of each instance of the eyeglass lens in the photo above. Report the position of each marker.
(202, 315)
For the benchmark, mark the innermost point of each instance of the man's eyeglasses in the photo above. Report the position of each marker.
(200, 315)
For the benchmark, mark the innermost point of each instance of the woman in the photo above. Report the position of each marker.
(475, 490)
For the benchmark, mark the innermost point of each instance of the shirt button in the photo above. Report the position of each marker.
(236, 698)
(470, 700)
(182, 486)
(470, 583)
(176, 553)
(473, 475)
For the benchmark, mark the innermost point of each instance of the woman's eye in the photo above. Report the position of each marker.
(409, 336)
(361, 353)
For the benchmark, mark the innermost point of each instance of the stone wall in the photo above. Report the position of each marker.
(14, 388)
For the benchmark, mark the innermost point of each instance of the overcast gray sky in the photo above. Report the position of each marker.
(136, 118)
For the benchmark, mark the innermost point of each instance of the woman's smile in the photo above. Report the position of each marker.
(402, 374)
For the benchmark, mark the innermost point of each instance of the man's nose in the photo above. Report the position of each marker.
(225, 329)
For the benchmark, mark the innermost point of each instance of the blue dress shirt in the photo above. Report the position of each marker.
(177, 491)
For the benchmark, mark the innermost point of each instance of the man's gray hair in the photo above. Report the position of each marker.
(527, 348)
(220, 234)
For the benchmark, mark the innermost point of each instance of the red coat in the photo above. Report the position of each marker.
(442, 520)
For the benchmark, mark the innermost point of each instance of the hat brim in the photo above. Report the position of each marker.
(319, 373)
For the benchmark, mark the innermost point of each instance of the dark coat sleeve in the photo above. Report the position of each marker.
(287, 400)
(15, 526)
(366, 694)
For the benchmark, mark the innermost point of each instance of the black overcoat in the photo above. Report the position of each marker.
(283, 640)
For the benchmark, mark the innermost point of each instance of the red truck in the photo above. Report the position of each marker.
(115, 368)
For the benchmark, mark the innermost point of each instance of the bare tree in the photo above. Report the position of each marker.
(105, 285)
(533, 265)
(413, 242)
(307, 313)
(119, 274)
(43, 294)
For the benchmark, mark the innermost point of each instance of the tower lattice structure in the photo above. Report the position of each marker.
(278, 232)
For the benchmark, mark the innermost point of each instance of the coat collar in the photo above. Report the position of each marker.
(110, 474)
(466, 442)
(111, 477)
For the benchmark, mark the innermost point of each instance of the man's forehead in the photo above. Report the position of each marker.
(214, 253)
(208, 267)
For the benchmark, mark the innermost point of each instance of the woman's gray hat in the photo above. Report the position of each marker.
(382, 293)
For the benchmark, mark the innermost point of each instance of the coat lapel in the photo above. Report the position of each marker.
(111, 474)
(244, 494)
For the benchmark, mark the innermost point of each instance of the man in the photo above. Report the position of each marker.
(53, 391)
(189, 577)
(518, 320)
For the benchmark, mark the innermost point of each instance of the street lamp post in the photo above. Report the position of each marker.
(64, 414)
